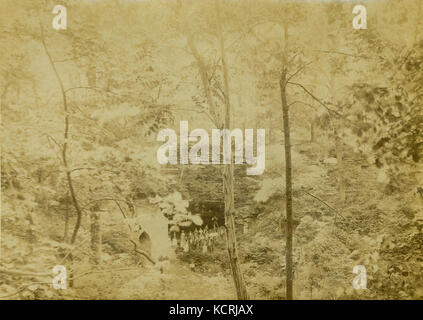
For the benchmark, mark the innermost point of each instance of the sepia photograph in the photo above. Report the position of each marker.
(211, 150)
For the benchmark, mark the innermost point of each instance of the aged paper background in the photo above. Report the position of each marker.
(88, 212)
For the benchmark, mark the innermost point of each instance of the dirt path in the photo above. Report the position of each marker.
(176, 282)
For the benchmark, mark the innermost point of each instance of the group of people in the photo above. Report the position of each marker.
(203, 240)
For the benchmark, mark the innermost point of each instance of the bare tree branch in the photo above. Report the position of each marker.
(304, 103)
(106, 199)
(24, 273)
(69, 59)
(212, 119)
(90, 88)
(143, 253)
(343, 53)
(298, 71)
(76, 169)
(314, 97)
(327, 205)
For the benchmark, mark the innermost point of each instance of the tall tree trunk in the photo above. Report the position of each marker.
(312, 129)
(418, 22)
(65, 143)
(337, 127)
(66, 231)
(228, 182)
(340, 168)
(95, 237)
(95, 229)
(228, 179)
(64, 154)
(288, 177)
